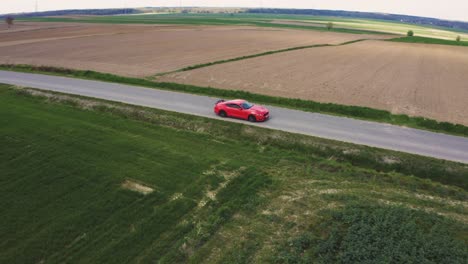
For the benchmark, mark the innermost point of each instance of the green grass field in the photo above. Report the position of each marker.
(345, 25)
(222, 192)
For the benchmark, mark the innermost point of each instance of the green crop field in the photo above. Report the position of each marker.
(89, 181)
(346, 25)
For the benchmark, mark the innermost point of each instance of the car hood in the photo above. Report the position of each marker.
(258, 109)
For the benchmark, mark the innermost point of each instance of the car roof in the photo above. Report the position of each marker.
(235, 101)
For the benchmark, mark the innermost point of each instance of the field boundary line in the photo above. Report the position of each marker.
(203, 65)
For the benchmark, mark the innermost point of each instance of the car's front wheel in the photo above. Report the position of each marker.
(222, 113)
(252, 118)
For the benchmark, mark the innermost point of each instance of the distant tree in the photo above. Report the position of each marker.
(458, 38)
(329, 25)
(9, 21)
(410, 33)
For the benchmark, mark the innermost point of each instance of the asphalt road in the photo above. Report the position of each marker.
(332, 127)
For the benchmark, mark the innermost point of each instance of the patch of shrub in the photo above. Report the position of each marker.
(410, 33)
(390, 235)
(378, 235)
(296, 250)
(243, 252)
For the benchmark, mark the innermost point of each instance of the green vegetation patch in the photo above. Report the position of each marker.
(223, 192)
(424, 40)
(359, 112)
(378, 234)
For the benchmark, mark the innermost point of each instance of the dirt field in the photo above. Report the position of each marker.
(143, 50)
(415, 79)
(22, 26)
(28, 33)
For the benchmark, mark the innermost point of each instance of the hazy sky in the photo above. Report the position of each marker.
(447, 9)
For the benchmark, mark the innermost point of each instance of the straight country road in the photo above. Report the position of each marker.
(373, 134)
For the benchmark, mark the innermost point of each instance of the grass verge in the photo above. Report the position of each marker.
(223, 192)
(305, 105)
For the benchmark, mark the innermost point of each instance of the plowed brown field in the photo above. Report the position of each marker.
(142, 50)
(414, 79)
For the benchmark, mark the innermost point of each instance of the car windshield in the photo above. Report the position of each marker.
(246, 105)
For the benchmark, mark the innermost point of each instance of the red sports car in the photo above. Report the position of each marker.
(241, 109)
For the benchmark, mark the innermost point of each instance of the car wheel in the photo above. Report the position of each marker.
(252, 118)
(222, 113)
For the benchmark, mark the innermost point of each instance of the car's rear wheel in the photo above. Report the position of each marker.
(222, 113)
(252, 118)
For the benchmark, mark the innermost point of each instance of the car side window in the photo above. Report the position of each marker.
(233, 106)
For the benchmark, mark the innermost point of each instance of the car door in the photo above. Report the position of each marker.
(234, 110)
